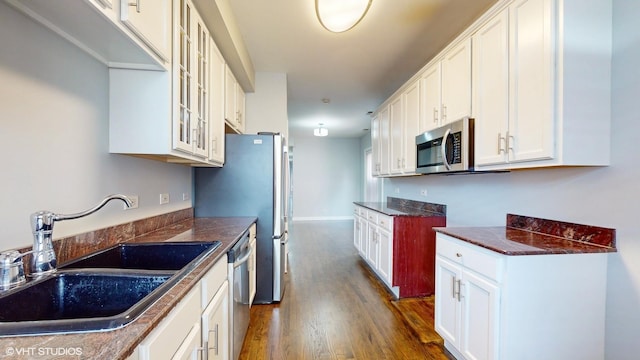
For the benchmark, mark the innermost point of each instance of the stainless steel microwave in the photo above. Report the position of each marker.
(448, 148)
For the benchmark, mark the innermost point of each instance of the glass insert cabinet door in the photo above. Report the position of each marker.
(190, 130)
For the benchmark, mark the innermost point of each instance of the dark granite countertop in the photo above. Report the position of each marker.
(533, 236)
(120, 343)
(403, 207)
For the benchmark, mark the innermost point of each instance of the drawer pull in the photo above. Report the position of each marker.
(458, 255)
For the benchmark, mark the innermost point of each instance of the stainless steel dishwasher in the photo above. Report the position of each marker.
(238, 258)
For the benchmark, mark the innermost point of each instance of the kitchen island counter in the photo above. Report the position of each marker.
(403, 207)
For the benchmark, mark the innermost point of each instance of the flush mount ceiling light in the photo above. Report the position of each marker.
(341, 15)
(320, 131)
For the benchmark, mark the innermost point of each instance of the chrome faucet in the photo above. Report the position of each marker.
(43, 258)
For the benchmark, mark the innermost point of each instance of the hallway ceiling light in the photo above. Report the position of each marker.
(320, 131)
(341, 15)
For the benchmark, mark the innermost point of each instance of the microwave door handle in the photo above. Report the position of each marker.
(443, 149)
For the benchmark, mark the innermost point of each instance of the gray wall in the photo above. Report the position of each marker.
(326, 178)
(607, 196)
(54, 133)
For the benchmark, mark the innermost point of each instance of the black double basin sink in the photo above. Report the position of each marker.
(101, 291)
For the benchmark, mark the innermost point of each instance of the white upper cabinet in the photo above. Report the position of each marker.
(216, 114)
(446, 87)
(456, 82)
(142, 41)
(404, 119)
(170, 116)
(411, 125)
(151, 22)
(531, 70)
(491, 89)
(431, 98)
(385, 140)
(553, 104)
(191, 67)
(234, 107)
(393, 132)
(396, 135)
(534, 77)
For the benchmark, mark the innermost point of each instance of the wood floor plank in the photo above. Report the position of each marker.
(333, 307)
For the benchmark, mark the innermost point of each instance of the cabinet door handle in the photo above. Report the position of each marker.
(510, 140)
(137, 5)
(215, 331)
(459, 290)
(444, 112)
(435, 115)
(500, 140)
(453, 287)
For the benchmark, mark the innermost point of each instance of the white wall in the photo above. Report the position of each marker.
(54, 132)
(266, 108)
(326, 178)
(607, 196)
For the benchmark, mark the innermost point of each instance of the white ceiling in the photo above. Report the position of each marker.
(358, 69)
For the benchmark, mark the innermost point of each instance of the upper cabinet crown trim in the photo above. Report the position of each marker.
(221, 21)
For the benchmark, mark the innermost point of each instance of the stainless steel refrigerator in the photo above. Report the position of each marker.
(253, 182)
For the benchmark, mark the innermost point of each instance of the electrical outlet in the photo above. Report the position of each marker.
(164, 198)
(134, 202)
(423, 192)
(185, 196)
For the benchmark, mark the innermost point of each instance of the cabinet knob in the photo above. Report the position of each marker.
(458, 255)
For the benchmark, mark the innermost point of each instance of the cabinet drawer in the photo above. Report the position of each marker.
(372, 216)
(212, 281)
(385, 222)
(473, 257)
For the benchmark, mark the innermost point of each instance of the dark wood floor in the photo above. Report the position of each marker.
(332, 308)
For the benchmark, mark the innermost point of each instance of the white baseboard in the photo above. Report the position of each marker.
(322, 218)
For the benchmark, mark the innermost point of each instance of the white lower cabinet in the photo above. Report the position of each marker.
(378, 245)
(493, 306)
(167, 338)
(215, 325)
(198, 325)
(360, 231)
(190, 348)
(468, 301)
